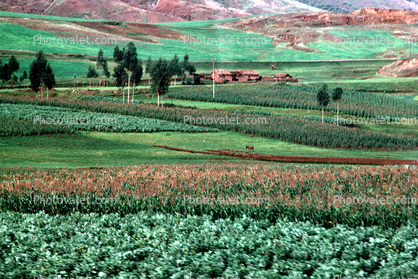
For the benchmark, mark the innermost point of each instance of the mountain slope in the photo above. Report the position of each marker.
(347, 6)
(151, 11)
(155, 11)
(401, 68)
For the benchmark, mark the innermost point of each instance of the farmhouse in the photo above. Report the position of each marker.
(235, 76)
(284, 77)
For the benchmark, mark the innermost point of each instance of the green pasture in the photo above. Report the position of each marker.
(94, 149)
(13, 14)
(375, 83)
(212, 40)
(17, 37)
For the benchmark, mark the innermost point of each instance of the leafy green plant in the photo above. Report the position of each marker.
(89, 121)
(170, 246)
(14, 127)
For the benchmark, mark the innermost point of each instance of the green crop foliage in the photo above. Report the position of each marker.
(170, 246)
(14, 127)
(323, 195)
(89, 121)
(355, 103)
(290, 129)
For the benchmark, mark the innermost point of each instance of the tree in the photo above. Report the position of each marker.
(106, 69)
(15, 79)
(127, 61)
(101, 62)
(187, 67)
(130, 62)
(191, 70)
(1, 71)
(174, 68)
(7, 70)
(100, 59)
(120, 78)
(36, 72)
(48, 79)
(91, 73)
(23, 77)
(41, 73)
(13, 64)
(337, 94)
(148, 67)
(196, 80)
(5, 73)
(323, 98)
(160, 78)
(136, 76)
(118, 54)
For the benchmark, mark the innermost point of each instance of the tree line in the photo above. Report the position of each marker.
(40, 75)
(323, 98)
(129, 71)
(7, 71)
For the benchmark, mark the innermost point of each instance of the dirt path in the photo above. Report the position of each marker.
(299, 159)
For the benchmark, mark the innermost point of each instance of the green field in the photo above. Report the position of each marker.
(259, 47)
(89, 149)
(165, 245)
(12, 14)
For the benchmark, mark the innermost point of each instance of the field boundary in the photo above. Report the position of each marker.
(297, 159)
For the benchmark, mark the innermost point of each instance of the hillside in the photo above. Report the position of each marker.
(143, 11)
(365, 28)
(401, 68)
(347, 6)
(377, 34)
(155, 11)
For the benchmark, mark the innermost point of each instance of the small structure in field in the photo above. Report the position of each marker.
(220, 75)
(283, 77)
(279, 77)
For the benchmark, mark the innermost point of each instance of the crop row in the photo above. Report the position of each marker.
(319, 194)
(168, 246)
(304, 97)
(107, 99)
(14, 127)
(290, 129)
(329, 120)
(86, 120)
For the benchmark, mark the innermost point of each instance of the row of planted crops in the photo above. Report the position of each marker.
(319, 194)
(19, 119)
(354, 103)
(207, 221)
(290, 129)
